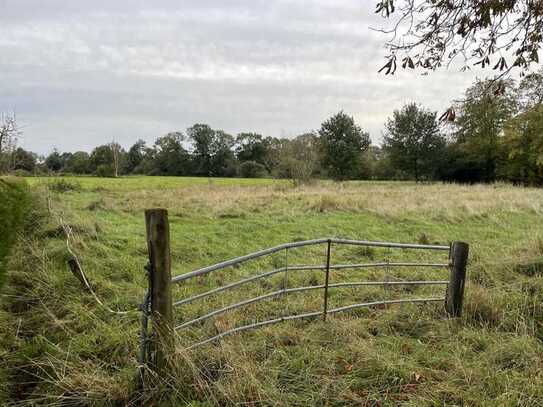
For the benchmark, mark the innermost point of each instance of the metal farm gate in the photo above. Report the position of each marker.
(160, 305)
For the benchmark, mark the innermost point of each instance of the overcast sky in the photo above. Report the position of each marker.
(81, 73)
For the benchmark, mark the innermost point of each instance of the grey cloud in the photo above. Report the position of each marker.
(83, 73)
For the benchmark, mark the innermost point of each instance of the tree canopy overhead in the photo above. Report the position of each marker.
(426, 34)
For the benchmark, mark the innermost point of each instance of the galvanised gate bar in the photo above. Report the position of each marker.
(455, 259)
(329, 243)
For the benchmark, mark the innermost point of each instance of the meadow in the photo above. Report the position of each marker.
(60, 347)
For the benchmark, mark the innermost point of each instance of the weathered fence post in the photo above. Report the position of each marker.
(158, 244)
(457, 278)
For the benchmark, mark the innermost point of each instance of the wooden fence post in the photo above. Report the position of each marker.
(457, 279)
(158, 244)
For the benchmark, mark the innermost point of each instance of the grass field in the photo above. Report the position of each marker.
(61, 347)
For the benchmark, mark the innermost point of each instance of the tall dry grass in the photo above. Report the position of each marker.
(389, 199)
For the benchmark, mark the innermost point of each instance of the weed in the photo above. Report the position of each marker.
(62, 185)
(98, 205)
(423, 239)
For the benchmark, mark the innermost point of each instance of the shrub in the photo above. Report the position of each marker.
(299, 159)
(63, 185)
(105, 170)
(252, 169)
(21, 173)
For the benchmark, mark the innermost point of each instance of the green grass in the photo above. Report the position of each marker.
(68, 349)
(134, 183)
(15, 203)
(15, 208)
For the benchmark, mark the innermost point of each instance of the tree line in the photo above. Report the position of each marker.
(494, 133)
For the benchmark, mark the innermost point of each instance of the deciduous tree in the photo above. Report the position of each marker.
(300, 158)
(413, 141)
(101, 161)
(54, 162)
(23, 160)
(9, 133)
(168, 156)
(530, 91)
(342, 142)
(252, 147)
(78, 163)
(479, 124)
(201, 137)
(223, 161)
(523, 146)
(134, 157)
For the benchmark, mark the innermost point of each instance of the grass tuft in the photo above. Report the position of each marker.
(62, 185)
